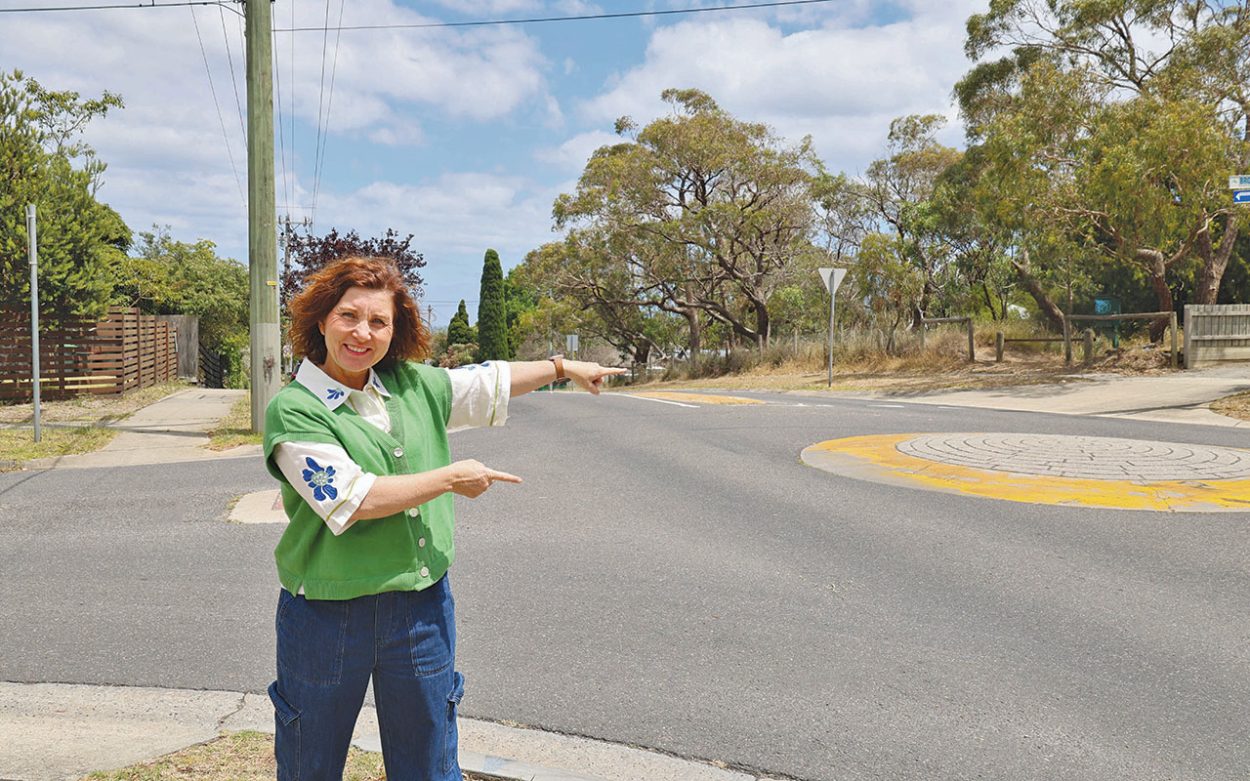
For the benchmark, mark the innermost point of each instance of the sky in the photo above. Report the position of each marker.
(463, 136)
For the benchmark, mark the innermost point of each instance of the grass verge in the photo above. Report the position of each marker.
(237, 756)
(236, 428)
(89, 408)
(71, 426)
(1237, 406)
(18, 444)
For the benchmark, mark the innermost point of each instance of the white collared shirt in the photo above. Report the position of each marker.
(330, 481)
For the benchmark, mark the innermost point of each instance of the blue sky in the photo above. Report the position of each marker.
(464, 136)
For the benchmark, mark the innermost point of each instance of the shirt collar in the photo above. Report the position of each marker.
(332, 392)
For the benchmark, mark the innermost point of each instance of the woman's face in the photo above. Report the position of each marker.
(358, 333)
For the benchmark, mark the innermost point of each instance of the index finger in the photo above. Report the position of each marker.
(502, 477)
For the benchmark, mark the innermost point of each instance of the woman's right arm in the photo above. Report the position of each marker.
(394, 494)
(341, 493)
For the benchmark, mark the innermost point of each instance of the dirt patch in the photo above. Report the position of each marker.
(238, 756)
(90, 408)
(1237, 406)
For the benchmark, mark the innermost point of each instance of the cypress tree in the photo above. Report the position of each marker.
(492, 325)
(458, 330)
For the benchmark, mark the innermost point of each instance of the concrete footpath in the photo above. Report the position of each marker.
(55, 732)
(1181, 397)
(172, 430)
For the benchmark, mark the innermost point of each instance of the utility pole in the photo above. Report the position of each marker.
(261, 216)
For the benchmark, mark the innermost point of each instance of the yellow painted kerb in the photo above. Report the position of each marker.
(880, 453)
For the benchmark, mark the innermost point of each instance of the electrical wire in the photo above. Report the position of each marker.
(220, 117)
(325, 142)
(545, 19)
(238, 104)
(325, 38)
(277, 82)
(103, 7)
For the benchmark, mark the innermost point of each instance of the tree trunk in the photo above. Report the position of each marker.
(1051, 310)
(1214, 262)
(1163, 293)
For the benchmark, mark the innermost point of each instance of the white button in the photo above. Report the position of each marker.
(414, 512)
(399, 452)
(421, 542)
(425, 572)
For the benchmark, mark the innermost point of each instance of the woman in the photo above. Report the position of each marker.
(359, 444)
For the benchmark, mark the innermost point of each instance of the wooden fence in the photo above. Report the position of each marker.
(123, 351)
(1219, 332)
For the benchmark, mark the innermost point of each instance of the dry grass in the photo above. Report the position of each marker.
(89, 408)
(70, 426)
(236, 428)
(943, 366)
(18, 444)
(237, 756)
(1237, 406)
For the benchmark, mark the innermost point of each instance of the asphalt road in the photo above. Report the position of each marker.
(675, 578)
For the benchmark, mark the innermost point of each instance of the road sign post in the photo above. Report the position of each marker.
(832, 277)
(34, 314)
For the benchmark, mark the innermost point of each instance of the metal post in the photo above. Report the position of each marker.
(1172, 325)
(833, 295)
(261, 223)
(34, 314)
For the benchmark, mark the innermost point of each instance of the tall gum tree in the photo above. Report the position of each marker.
(717, 207)
(1171, 54)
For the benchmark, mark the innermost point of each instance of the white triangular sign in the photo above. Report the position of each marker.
(832, 277)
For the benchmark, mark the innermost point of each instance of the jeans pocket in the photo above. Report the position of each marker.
(286, 740)
(312, 639)
(431, 631)
(451, 758)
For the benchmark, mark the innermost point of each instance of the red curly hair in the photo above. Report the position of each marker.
(323, 290)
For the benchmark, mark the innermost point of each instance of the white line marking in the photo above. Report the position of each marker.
(662, 401)
(888, 406)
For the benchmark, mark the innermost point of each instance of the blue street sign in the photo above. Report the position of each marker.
(1241, 196)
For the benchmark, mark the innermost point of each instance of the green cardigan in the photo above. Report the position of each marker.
(382, 554)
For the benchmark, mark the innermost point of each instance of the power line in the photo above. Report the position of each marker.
(220, 118)
(325, 37)
(544, 19)
(287, 193)
(238, 104)
(102, 7)
(321, 155)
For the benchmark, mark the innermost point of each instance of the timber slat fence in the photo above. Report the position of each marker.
(123, 351)
(1216, 332)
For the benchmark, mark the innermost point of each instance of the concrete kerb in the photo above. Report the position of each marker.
(57, 731)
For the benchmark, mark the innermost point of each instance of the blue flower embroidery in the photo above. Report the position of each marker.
(334, 394)
(320, 480)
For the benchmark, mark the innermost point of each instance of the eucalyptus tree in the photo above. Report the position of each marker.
(713, 206)
(1168, 83)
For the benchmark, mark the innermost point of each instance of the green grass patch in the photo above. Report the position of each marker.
(237, 756)
(18, 444)
(236, 428)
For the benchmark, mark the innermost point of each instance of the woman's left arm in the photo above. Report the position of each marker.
(531, 375)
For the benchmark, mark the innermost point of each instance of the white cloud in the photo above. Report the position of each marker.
(841, 85)
(573, 153)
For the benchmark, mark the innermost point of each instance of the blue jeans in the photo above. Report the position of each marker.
(327, 651)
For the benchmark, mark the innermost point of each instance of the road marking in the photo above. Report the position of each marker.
(701, 398)
(649, 398)
(878, 458)
(888, 406)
